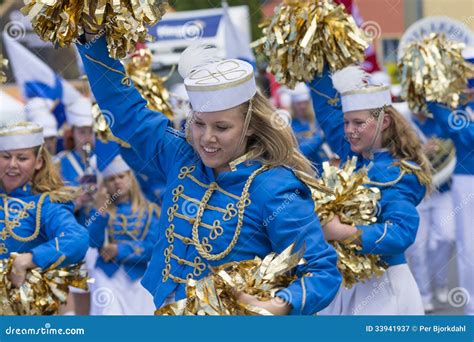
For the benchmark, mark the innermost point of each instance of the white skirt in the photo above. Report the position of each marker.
(89, 266)
(119, 295)
(394, 293)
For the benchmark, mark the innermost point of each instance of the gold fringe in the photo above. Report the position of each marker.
(303, 37)
(433, 70)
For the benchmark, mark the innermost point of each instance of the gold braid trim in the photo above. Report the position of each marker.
(125, 80)
(56, 263)
(241, 209)
(410, 168)
(406, 168)
(333, 101)
(38, 220)
(148, 222)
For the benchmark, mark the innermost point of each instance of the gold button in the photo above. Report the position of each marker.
(213, 185)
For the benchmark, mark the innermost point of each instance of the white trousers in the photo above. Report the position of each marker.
(434, 245)
(119, 295)
(394, 293)
(463, 195)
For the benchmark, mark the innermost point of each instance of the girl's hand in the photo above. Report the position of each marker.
(109, 252)
(22, 263)
(276, 306)
(83, 200)
(334, 230)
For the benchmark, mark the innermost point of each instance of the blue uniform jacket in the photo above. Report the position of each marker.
(431, 129)
(72, 169)
(397, 219)
(309, 142)
(276, 211)
(39, 226)
(458, 125)
(134, 234)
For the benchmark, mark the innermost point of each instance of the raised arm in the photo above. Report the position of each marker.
(456, 124)
(327, 108)
(148, 132)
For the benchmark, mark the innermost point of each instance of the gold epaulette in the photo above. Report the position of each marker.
(406, 167)
(64, 194)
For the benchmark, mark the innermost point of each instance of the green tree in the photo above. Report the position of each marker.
(253, 5)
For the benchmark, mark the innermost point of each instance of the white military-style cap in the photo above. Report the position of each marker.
(213, 84)
(21, 135)
(39, 110)
(79, 113)
(356, 93)
(117, 166)
(300, 93)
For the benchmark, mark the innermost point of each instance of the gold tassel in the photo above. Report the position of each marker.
(433, 70)
(124, 22)
(304, 36)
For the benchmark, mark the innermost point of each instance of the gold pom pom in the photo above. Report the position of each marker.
(42, 293)
(102, 127)
(123, 22)
(3, 66)
(215, 294)
(356, 204)
(150, 85)
(433, 70)
(304, 36)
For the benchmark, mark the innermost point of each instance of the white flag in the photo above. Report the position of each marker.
(36, 79)
(234, 45)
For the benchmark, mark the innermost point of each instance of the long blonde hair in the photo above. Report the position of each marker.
(272, 142)
(403, 143)
(47, 178)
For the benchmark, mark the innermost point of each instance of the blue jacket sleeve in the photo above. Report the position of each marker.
(310, 147)
(97, 224)
(398, 219)
(329, 113)
(140, 251)
(129, 119)
(296, 222)
(457, 127)
(67, 240)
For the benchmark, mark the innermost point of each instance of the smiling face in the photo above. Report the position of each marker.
(216, 137)
(17, 167)
(360, 129)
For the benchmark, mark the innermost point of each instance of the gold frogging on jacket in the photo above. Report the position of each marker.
(203, 246)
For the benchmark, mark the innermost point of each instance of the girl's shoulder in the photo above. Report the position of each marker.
(401, 176)
(281, 179)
